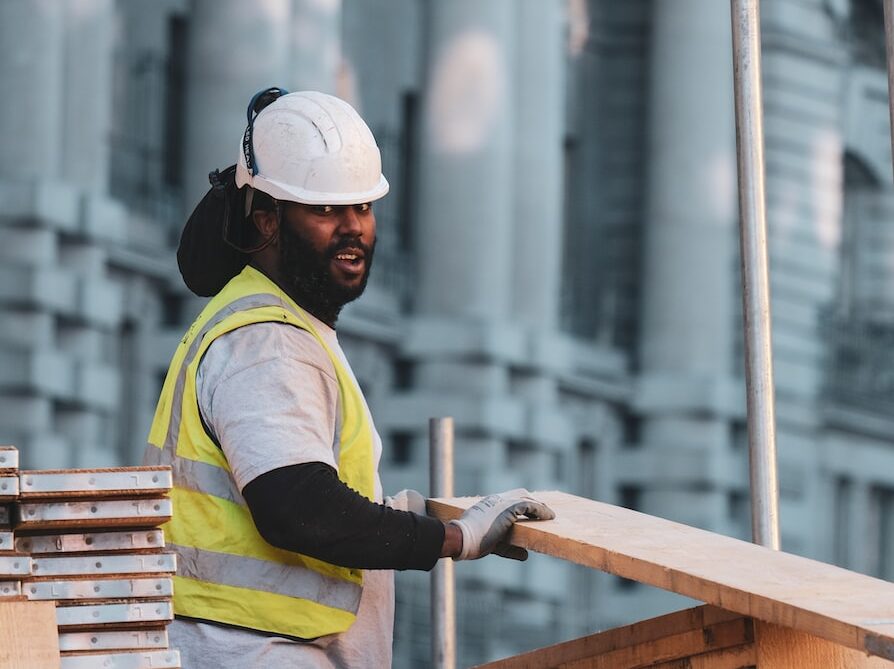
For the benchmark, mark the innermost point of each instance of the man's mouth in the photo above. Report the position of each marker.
(350, 261)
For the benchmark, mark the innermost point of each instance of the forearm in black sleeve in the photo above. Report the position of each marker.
(307, 509)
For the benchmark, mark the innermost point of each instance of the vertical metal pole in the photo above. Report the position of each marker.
(443, 587)
(889, 52)
(755, 273)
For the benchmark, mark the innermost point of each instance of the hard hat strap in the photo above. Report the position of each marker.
(258, 101)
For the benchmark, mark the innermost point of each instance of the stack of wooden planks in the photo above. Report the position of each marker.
(95, 548)
(14, 565)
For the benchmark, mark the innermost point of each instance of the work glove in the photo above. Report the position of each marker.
(486, 524)
(407, 500)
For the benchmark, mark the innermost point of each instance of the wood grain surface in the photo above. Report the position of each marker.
(783, 648)
(28, 637)
(846, 608)
(672, 637)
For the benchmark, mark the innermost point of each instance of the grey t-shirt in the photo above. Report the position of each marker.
(268, 393)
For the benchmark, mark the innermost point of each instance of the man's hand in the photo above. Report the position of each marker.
(407, 500)
(486, 525)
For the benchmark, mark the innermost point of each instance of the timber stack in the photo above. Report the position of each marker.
(14, 566)
(93, 545)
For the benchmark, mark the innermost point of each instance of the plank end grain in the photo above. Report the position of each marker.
(28, 636)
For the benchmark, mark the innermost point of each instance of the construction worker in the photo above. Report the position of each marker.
(285, 548)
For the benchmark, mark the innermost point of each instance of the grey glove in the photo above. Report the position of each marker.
(486, 525)
(407, 500)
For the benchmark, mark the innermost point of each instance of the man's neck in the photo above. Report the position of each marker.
(302, 301)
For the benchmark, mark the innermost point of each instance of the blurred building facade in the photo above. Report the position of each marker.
(557, 263)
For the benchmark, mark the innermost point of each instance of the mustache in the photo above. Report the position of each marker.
(349, 243)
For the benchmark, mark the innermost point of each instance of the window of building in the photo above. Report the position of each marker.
(401, 448)
(884, 503)
(842, 534)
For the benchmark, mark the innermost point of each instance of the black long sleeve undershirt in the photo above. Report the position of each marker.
(306, 509)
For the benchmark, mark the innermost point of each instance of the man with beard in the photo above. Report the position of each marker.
(285, 548)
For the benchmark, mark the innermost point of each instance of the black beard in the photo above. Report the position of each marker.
(307, 276)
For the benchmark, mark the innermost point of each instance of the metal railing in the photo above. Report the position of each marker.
(755, 273)
(859, 365)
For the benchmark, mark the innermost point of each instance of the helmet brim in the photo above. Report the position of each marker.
(281, 191)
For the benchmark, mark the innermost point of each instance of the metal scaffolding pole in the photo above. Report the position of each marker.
(889, 52)
(443, 586)
(755, 273)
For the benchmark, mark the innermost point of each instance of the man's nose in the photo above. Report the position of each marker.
(349, 222)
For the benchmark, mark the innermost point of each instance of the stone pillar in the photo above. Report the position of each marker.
(316, 59)
(236, 49)
(691, 211)
(89, 27)
(31, 70)
(537, 220)
(536, 227)
(464, 255)
(689, 302)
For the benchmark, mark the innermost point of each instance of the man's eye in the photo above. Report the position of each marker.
(322, 209)
(364, 208)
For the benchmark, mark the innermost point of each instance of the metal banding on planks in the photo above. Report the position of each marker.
(15, 565)
(9, 457)
(129, 481)
(158, 563)
(9, 487)
(10, 589)
(90, 542)
(142, 512)
(113, 640)
(107, 614)
(113, 588)
(153, 659)
(6, 541)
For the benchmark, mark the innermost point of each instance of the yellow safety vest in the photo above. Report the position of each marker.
(226, 572)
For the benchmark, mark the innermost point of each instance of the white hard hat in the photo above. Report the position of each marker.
(311, 148)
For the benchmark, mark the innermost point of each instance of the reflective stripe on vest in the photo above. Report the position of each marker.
(266, 576)
(228, 573)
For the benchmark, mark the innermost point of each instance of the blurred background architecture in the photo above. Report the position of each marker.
(557, 262)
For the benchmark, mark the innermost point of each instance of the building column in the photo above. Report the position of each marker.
(689, 303)
(31, 69)
(316, 58)
(89, 27)
(465, 199)
(536, 226)
(537, 221)
(236, 48)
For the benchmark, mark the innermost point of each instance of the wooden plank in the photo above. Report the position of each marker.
(28, 638)
(147, 512)
(644, 632)
(138, 659)
(114, 615)
(104, 565)
(739, 657)
(99, 589)
(9, 487)
(846, 608)
(7, 542)
(9, 458)
(113, 640)
(675, 647)
(784, 648)
(53, 544)
(10, 589)
(15, 566)
(93, 483)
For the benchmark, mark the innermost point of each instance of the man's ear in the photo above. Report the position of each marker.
(266, 222)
